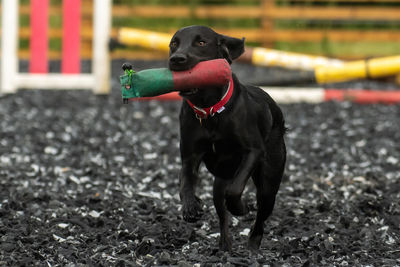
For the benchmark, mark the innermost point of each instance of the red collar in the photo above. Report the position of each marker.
(203, 113)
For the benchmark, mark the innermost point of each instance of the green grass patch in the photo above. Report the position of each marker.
(54, 44)
(24, 20)
(23, 43)
(55, 21)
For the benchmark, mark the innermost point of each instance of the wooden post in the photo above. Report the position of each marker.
(267, 22)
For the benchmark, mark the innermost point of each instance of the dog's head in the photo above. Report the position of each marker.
(193, 44)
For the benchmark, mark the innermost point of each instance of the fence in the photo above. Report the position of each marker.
(11, 78)
(262, 22)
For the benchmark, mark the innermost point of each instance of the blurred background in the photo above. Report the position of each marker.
(345, 29)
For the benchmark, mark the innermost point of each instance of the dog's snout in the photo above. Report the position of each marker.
(178, 59)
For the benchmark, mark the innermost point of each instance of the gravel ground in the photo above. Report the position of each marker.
(86, 180)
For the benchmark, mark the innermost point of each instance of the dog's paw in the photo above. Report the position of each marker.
(192, 210)
(225, 243)
(254, 241)
(254, 244)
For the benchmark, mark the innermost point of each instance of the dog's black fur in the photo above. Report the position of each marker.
(245, 140)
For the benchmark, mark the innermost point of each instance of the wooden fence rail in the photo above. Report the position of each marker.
(267, 14)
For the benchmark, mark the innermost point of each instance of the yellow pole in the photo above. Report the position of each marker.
(325, 69)
(143, 38)
(258, 56)
(370, 68)
(270, 57)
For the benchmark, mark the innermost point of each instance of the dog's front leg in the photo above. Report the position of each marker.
(225, 242)
(191, 208)
(234, 190)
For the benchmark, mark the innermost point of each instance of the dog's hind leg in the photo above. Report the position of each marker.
(267, 178)
(219, 189)
(265, 205)
(267, 183)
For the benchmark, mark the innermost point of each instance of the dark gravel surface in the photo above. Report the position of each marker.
(85, 180)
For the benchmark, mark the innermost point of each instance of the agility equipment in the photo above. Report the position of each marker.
(70, 78)
(314, 95)
(38, 41)
(265, 57)
(153, 82)
(318, 95)
(258, 56)
(361, 69)
(142, 38)
(314, 68)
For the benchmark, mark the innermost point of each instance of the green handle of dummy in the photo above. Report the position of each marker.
(146, 83)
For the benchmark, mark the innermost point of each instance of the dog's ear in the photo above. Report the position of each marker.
(230, 47)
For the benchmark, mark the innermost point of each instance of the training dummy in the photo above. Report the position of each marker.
(154, 82)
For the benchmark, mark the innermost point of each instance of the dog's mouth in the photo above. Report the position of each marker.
(177, 67)
(188, 92)
(181, 67)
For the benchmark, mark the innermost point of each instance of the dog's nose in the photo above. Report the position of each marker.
(178, 59)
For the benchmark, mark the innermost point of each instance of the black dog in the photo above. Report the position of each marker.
(240, 137)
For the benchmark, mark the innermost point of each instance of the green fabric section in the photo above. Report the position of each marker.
(153, 82)
(125, 81)
(147, 83)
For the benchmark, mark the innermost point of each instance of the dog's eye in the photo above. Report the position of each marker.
(201, 43)
(173, 44)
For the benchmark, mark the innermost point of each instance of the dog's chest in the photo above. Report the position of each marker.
(214, 129)
(222, 157)
(221, 137)
(224, 147)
